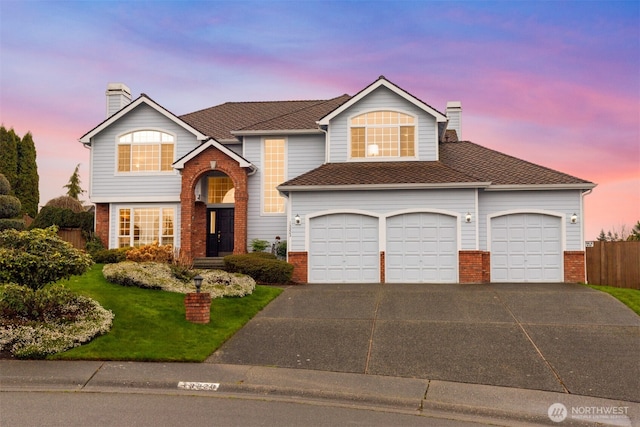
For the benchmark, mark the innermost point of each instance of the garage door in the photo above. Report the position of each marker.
(343, 248)
(526, 248)
(421, 248)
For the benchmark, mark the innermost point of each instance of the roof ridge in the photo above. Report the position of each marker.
(315, 104)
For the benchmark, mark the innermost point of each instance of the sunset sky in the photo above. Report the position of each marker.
(556, 83)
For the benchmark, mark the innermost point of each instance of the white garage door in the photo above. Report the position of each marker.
(421, 248)
(526, 248)
(343, 248)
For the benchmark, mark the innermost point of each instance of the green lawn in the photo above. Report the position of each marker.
(629, 297)
(150, 325)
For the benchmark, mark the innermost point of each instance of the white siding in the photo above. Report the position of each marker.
(383, 99)
(565, 202)
(384, 203)
(106, 183)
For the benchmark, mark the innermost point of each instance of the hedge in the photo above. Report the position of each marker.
(262, 266)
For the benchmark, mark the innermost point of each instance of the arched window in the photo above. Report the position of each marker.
(145, 151)
(382, 134)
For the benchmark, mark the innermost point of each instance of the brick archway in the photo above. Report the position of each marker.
(193, 213)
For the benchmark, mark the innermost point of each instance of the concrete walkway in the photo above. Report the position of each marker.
(563, 338)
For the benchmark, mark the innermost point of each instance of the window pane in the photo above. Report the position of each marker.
(167, 226)
(407, 141)
(124, 158)
(220, 190)
(145, 158)
(146, 226)
(166, 157)
(274, 158)
(124, 228)
(357, 142)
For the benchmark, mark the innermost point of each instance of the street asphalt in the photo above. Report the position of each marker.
(503, 350)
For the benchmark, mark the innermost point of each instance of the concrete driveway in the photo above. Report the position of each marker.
(555, 337)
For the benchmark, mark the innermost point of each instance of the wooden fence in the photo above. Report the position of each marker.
(614, 264)
(73, 236)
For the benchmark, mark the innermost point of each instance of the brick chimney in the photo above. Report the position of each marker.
(118, 95)
(454, 114)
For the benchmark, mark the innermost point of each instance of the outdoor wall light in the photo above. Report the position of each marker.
(467, 217)
(198, 281)
(297, 220)
(574, 218)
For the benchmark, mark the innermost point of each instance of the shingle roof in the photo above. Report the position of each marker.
(220, 121)
(463, 163)
(380, 173)
(499, 168)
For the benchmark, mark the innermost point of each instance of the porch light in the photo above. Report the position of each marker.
(574, 218)
(467, 217)
(198, 282)
(297, 220)
(372, 150)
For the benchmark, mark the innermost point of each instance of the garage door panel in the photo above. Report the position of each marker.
(421, 248)
(344, 249)
(532, 251)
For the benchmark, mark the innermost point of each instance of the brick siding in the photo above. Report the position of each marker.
(198, 307)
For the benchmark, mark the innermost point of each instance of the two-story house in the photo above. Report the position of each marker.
(375, 187)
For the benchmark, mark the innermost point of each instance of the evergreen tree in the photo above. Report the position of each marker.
(26, 188)
(602, 237)
(73, 187)
(635, 233)
(9, 155)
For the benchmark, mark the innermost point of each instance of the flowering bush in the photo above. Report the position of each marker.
(34, 324)
(151, 253)
(155, 275)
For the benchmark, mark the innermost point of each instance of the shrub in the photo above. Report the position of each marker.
(49, 320)
(66, 202)
(5, 187)
(11, 223)
(264, 269)
(94, 244)
(110, 256)
(151, 253)
(9, 206)
(37, 257)
(63, 218)
(258, 245)
(281, 250)
(155, 275)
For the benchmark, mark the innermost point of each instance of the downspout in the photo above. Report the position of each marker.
(326, 142)
(584, 193)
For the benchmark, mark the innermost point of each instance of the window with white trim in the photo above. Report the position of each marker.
(145, 151)
(382, 134)
(273, 175)
(144, 226)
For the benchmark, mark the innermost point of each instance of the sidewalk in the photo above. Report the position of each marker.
(509, 405)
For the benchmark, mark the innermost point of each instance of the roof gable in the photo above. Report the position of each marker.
(242, 162)
(382, 81)
(142, 99)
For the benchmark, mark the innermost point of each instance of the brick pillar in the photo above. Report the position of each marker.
(486, 267)
(382, 269)
(300, 266)
(472, 266)
(102, 223)
(574, 266)
(198, 307)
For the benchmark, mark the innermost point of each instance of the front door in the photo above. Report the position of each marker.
(219, 232)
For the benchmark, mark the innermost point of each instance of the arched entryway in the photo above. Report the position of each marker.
(213, 198)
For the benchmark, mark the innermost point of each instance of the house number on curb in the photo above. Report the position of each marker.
(198, 386)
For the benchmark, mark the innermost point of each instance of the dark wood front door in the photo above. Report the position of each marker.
(219, 232)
